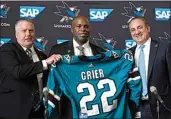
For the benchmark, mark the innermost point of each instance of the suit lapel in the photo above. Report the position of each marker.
(40, 56)
(70, 49)
(133, 49)
(23, 54)
(153, 50)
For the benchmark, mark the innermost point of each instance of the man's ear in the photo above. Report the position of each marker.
(71, 30)
(16, 35)
(148, 28)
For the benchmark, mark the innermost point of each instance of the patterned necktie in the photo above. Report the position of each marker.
(29, 53)
(142, 70)
(81, 49)
(35, 97)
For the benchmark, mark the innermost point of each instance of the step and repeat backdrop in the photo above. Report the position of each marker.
(108, 20)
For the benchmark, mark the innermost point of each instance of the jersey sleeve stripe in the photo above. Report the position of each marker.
(134, 79)
(55, 96)
(50, 103)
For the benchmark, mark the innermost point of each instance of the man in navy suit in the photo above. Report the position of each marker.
(80, 30)
(23, 74)
(157, 69)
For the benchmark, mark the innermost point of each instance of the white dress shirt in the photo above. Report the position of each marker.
(146, 50)
(40, 75)
(87, 48)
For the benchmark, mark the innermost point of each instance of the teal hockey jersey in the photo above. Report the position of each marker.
(97, 83)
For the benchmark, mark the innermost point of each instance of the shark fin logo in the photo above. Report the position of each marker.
(67, 13)
(4, 10)
(59, 41)
(40, 43)
(133, 11)
(105, 43)
(166, 37)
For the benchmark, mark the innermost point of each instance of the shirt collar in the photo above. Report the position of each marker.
(32, 49)
(75, 44)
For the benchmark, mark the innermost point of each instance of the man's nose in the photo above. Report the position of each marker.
(137, 32)
(27, 32)
(82, 28)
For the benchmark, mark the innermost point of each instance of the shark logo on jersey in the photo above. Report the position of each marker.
(114, 54)
(133, 11)
(100, 41)
(40, 43)
(4, 10)
(67, 13)
(167, 37)
(68, 58)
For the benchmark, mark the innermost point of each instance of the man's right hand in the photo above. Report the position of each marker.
(53, 59)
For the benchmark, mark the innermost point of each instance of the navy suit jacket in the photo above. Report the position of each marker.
(64, 106)
(17, 76)
(159, 73)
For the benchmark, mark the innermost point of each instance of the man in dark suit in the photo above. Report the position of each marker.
(23, 74)
(157, 69)
(80, 30)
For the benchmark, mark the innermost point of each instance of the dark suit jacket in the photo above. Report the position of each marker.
(64, 108)
(17, 75)
(159, 74)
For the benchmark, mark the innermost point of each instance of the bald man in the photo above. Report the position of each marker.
(80, 30)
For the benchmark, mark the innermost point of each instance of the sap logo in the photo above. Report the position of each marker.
(99, 14)
(162, 14)
(30, 11)
(4, 40)
(59, 41)
(130, 43)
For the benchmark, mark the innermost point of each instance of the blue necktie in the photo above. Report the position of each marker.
(142, 70)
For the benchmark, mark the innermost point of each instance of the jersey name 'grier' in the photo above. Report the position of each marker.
(92, 74)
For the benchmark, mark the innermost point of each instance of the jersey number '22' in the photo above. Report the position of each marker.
(92, 94)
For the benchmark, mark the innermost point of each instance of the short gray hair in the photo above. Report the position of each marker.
(22, 20)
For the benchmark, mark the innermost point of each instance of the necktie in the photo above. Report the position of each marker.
(142, 70)
(35, 88)
(81, 49)
(29, 53)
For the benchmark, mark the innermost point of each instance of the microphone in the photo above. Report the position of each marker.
(45, 93)
(154, 91)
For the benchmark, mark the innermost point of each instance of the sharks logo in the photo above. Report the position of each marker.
(67, 13)
(166, 37)
(40, 43)
(133, 11)
(4, 10)
(105, 43)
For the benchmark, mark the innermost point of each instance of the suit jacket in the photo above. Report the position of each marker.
(17, 76)
(64, 106)
(159, 74)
